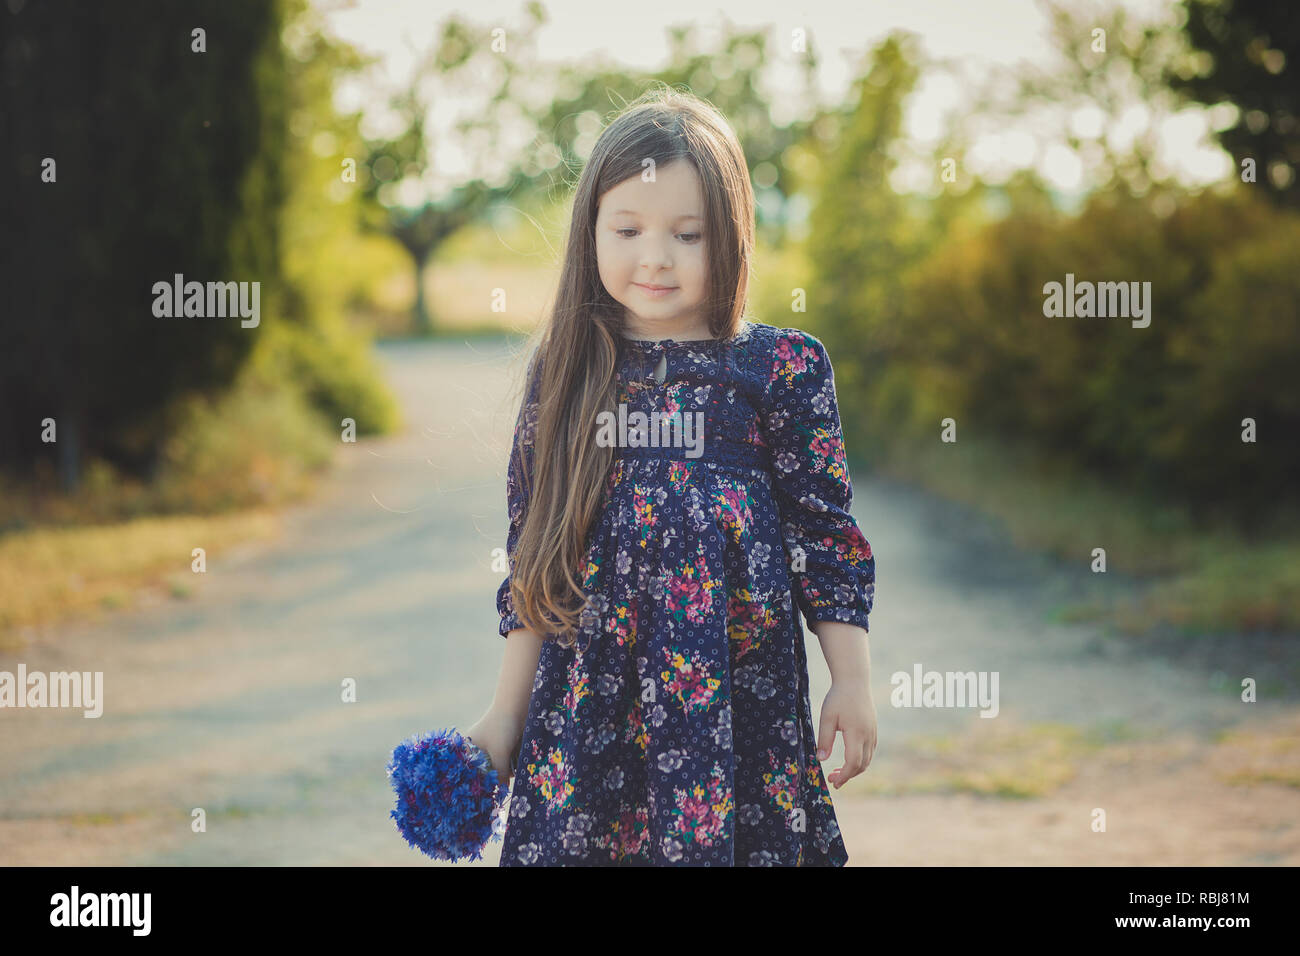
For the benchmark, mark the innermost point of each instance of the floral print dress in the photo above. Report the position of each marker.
(678, 731)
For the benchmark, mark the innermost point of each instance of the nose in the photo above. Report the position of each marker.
(656, 256)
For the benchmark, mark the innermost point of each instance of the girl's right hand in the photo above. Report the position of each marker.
(498, 736)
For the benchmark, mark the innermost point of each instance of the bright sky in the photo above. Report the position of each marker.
(979, 34)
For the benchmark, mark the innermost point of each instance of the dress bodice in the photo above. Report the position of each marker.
(720, 384)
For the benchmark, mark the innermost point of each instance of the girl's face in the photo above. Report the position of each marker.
(651, 234)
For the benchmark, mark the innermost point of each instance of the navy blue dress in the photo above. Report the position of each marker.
(683, 735)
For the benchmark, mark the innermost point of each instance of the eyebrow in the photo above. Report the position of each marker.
(631, 212)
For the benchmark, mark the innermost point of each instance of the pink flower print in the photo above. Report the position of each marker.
(828, 452)
(678, 474)
(821, 445)
(851, 544)
(643, 508)
(782, 784)
(622, 470)
(622, 623)
(551, 778)
(701, 815)
(733, 507)
(748, 620)
(816, 784)
(689, 592)
(629, 835)
(636, 729)
(577, 689)
(688, 680)
(590, 574)
(791, 358)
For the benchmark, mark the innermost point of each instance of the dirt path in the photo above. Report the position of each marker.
(231, 701)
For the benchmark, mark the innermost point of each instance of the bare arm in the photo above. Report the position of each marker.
(500, 730)
(518, 668)
(847, 651)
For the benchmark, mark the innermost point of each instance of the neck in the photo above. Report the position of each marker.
(683, 333)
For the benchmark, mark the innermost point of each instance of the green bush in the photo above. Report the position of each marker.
(1157, 408)
(258, 444)
(336, 372)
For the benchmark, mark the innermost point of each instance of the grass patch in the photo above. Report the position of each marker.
(1193, 572)
(1252, 754)
(1244, 588)
(1015, 763)
(229, 465)
(50, 574)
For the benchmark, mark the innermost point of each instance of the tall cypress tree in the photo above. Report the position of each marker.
(166, 147)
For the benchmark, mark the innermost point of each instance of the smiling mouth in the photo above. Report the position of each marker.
(656, 288)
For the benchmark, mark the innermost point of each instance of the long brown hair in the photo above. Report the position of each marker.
(572, 370)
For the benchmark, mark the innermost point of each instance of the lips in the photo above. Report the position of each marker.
(655, 290)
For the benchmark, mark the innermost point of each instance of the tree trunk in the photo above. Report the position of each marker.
(69, 442)
(421, 321)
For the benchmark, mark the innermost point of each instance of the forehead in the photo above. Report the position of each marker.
(675, 193)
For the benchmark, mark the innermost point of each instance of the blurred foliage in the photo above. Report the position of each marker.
(258, 444)
(732, 74)
(927, 324)
(326, 260)
(1161, 407)
(1108, 62)
(538, 174)
(1248, 54)
(393, 175)
(863, 236)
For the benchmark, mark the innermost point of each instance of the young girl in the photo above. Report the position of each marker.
(653, 702)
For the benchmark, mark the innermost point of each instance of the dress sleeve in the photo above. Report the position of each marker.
(519, 480)
(811, 485)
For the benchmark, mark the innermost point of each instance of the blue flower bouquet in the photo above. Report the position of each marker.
(449, 797)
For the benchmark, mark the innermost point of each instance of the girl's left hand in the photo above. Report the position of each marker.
(499, 737)
(848, 708)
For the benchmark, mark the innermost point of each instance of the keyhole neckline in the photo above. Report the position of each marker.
(657, 344)
(697, 344)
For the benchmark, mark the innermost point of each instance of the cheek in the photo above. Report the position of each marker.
(699, 263)
(603, 258)
(608, 257)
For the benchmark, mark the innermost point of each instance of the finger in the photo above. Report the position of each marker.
(826, 735)
(836, 775)
(853, 745)
(857, 748)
